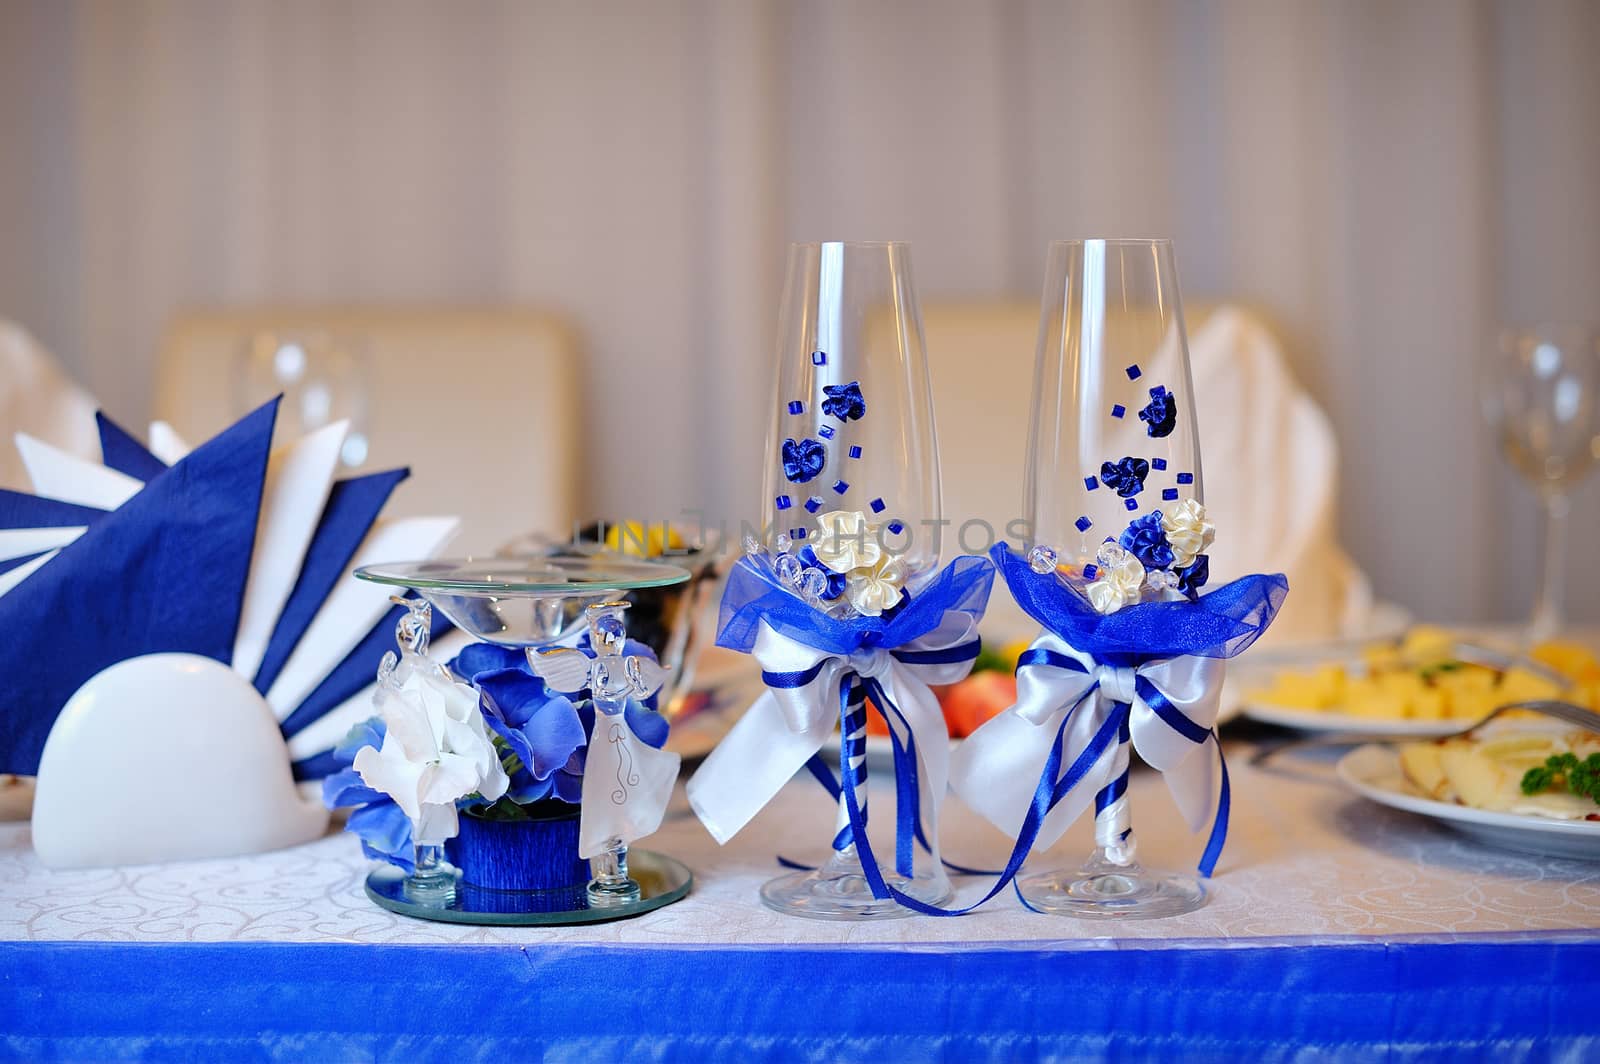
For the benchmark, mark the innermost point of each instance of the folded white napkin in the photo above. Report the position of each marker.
(38, 398)
(1271, 478)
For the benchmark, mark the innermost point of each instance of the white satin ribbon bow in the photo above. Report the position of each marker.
(996, 770)
(788, 725)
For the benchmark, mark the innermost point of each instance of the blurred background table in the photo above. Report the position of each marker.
(1336, 927)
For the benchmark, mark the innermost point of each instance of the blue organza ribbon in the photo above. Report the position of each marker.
(809, 658)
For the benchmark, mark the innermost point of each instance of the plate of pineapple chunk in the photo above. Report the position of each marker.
(1417, 687)
(1527, 783)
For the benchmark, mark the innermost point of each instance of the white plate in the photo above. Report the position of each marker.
(1374, 772)
(1322, 720)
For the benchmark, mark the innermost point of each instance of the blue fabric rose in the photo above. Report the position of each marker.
(380, 824)
(836, 581)
(1126, 477)
(1192, 579)
(803, 460)
(844, 401)
(546, 730)
(1160, 414)
(540, 726)
(1146, 540)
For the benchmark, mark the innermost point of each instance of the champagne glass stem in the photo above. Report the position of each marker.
(1548, 608)
(611, 884)
(433, 881)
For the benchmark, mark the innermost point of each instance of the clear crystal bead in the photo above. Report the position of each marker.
(1110, 554)
(813, 584)
(782, 543)
(788, 568)
(752, 545)
(1042, 559)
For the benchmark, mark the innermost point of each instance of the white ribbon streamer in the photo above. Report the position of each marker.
(996, 770)
(787, 726)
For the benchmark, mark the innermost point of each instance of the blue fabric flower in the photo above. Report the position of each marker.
(548, 731)
(380, 824)
(1160, 414)
(1126, 477)
(1192, 579)
(836, 581)
(803, 460)
(1146, 540)
(844, 401)
(540, 726)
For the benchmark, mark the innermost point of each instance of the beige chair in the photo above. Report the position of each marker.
(483, 405)
(1275, 508)
(38, 398)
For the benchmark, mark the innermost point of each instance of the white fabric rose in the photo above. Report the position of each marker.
(846, 541)
(436, 749)
(1119, 583)
(873, 590)
(1188, 531)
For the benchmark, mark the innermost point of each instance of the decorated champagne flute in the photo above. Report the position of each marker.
(852, 495)
(1130, 653)
(838, 598)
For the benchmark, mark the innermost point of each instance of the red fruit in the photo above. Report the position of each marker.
(979, 698)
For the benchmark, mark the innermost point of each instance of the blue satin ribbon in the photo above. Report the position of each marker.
(856, 692)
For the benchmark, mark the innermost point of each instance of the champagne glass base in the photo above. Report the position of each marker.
(611, 895)
(436, 887)
(1099, 892)
(839, 891)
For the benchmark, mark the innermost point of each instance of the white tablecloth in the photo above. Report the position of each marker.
(1304, 858)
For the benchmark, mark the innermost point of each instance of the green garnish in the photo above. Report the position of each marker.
(1565, 772)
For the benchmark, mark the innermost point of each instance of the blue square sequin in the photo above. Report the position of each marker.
(855, 452)
(895, 528)
(1118, 410)
(1134, 373)
(1169, 494)
(1185, 478)
(1158, 463)
(877, 506)
(1090, 571)
(1083, 524)
(784, 502)
(814, 503)
(841, 486)
(826, 432)
(1090, 483)
(1132, 504)
(818, 358)
(796, 407)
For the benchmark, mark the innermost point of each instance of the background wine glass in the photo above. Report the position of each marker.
(323, 377)
(1539, 391)
(1111, 343)
(850, 316)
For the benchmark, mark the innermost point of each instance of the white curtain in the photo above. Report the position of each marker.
(1387, 180)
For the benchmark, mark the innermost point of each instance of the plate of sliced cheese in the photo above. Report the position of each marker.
(1418, 687)
(1522, 783)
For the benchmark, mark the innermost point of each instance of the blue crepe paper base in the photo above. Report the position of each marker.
(537, 854)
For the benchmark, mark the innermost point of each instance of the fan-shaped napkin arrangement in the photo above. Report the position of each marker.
(179, 641)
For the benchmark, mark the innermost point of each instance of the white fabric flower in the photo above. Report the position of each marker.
(873, 590)
(436, 748)
(846, 541)
(1188, 531)
(1119, 583)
